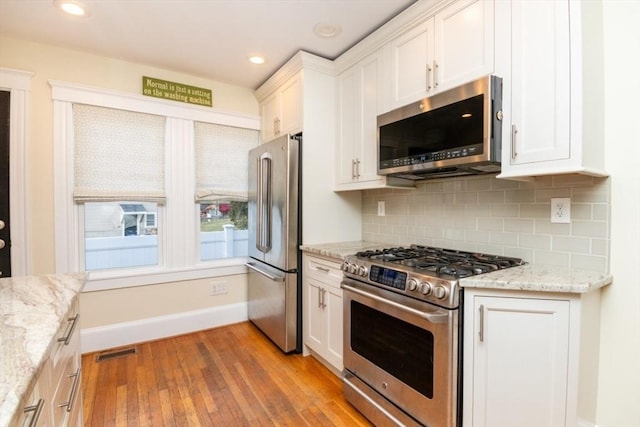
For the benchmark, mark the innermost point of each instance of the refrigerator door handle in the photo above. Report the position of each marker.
(263, 241)
(264, 273)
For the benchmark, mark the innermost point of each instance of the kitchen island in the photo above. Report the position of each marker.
(33, 309)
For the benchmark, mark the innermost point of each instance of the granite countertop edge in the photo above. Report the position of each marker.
(540, 278)
(528, 277)
(32, 308)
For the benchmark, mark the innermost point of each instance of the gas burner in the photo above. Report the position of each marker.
(439, 261)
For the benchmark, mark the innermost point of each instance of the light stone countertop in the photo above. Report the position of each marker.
(528, 277)
(339, 250)
(540, 278)
(32, 308)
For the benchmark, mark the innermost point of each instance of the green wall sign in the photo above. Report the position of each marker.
(176, 91)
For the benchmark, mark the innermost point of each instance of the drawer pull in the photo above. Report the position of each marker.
(325, 269)
(74, 391)
(36, 409)
(74, 321)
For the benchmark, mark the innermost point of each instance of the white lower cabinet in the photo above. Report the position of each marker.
(323, 309)
(56, 399)
(528, 361)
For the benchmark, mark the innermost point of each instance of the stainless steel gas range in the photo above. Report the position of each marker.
(403, 332)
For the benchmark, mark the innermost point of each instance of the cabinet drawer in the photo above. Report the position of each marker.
(325, 270)
(67, 387)
(67, 338)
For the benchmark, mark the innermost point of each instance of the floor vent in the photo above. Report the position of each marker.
(115, 353)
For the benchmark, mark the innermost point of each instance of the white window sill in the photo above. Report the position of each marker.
(115, 279)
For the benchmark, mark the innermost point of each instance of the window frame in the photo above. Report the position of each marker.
(178, 247)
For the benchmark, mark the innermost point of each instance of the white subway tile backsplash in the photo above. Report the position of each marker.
(519, 225)
(581, 245)
(497, 216)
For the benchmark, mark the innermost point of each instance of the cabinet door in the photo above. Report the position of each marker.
(291, 113)
(370, 76)
(410, 65)
(540, 92)
(520, 362)
(358, 101)
(463, 43)
(315, 328)
(334, 309)
(348, 125)
(270, 117)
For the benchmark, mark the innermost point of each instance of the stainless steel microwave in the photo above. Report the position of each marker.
(456, 132)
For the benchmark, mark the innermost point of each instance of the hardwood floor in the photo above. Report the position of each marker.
(228, 376)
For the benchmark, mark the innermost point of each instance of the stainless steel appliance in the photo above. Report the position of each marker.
(456, 132)
(403, 332)
(274, 282)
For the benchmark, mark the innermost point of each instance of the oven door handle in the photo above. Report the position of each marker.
(431, 317)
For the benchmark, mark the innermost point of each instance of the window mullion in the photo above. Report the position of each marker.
(179, 241)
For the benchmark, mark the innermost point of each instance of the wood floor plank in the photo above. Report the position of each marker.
(228, 376)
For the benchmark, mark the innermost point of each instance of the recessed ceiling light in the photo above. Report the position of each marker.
(256, 59)
(72, 7)
(326, 31)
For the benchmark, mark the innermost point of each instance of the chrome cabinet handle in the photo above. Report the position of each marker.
(435, 74)
(36, 409)
(514, 132)
(353, 169)
(357, 168)
(324, 304)
(481, 328)
(325, 269)
(319, 297)
(67, 338)
(428, 79)
(74, 390)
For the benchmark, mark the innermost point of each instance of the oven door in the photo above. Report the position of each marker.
(403, 350)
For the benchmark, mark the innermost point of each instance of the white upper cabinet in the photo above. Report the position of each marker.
(464, 43)
(358, 101)
(281, 112)
(452, 47)
(551, 126)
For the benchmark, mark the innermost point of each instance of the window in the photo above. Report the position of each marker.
(221, 158)
(142, 183)
(118, 155)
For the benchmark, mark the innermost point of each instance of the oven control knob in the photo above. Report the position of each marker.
(345, 266)
(353, 268)
(363, 271)
(413, 284)
(425, 288)
(440, 292)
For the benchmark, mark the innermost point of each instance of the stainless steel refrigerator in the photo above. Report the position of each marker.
(274, 280)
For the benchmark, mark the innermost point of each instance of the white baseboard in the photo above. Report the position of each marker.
(125, 333)
(583, 423)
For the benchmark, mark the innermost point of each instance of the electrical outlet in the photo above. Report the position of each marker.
(561, 210)
(219, 288)
(381, 208)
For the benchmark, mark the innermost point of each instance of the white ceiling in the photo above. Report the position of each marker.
(207, 38)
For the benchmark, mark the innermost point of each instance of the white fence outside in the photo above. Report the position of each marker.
(135, 251)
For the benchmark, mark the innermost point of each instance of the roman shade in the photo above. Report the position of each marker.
(118, 155)
(221, 159)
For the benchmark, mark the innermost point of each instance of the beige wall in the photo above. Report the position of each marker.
(619, 385)
(52, 63)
